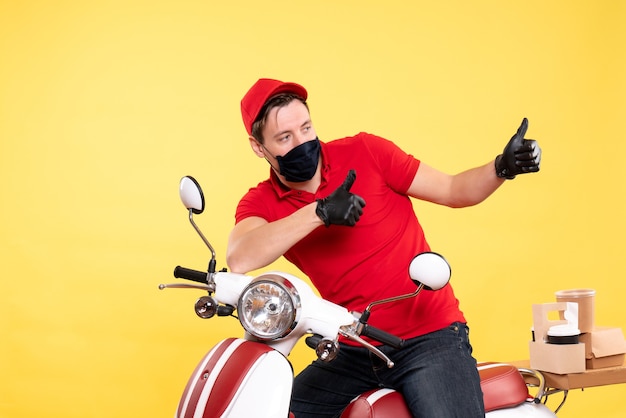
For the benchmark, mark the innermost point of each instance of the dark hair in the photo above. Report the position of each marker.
(280, 100)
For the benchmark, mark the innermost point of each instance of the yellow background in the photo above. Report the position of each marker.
(104, 105)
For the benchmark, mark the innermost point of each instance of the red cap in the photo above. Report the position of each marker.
(260, 93)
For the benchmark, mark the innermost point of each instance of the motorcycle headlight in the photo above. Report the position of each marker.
(268, 307)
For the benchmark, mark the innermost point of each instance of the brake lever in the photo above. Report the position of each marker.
(187, 286)
(369, 346)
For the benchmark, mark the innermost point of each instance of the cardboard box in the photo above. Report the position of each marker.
(557, 358)
(590, 378)
(554, 358)
(604, 347)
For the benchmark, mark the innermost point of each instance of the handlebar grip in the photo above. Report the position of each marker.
(382, 336)
(189, 274)
(313, 340)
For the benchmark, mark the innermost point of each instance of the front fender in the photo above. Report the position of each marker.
(238, 378)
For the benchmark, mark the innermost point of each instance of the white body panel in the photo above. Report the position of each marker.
(526, 410)
(266, 391)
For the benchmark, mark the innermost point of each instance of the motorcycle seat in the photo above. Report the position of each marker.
(502, 384)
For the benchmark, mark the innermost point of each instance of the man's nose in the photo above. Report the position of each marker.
(301, 138)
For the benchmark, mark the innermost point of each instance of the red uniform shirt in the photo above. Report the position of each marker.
(354, 266)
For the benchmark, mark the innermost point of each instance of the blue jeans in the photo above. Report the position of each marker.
(435, 373)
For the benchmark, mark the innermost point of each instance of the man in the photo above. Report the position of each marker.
(341, 212)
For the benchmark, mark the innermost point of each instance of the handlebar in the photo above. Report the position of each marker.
(367, 331)
(382, 336)
(190, 274)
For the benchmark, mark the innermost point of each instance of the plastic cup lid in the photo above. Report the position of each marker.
(564, 330)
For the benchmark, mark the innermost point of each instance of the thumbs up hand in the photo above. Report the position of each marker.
(341, 207)
(519, 156)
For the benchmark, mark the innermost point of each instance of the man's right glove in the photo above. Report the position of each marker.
(341, 207)
(519, 156)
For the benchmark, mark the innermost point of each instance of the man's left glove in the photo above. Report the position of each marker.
(519, 156)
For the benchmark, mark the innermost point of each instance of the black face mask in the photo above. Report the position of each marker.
(300, 164)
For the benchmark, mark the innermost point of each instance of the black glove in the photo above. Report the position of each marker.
(519, 156)
(341, 207)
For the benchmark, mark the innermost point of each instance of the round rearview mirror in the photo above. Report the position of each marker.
(431, 270)
(191, 194)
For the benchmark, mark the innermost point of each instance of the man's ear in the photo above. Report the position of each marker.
(257, 148)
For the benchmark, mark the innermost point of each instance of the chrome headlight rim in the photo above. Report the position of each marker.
(289, 291)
